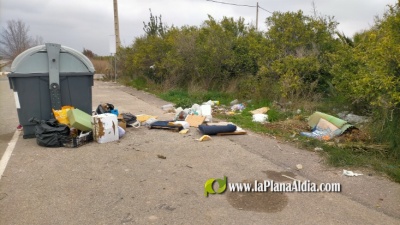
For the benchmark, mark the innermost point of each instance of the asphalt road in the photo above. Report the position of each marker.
(126, 182)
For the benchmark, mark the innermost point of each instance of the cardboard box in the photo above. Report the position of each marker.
(105, 128)
(79, 119)
(121, 122)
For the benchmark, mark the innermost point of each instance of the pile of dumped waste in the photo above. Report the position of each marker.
(72, 127)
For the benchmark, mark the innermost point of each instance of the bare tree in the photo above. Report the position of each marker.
(14, 39)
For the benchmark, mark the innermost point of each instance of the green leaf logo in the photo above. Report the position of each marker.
(208, 186)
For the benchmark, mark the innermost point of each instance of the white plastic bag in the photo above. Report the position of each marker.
(260, 118)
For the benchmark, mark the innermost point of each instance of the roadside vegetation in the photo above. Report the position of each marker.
(300, 65)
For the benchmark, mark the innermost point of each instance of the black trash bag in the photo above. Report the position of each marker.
(104, 108)
(50, 133)
(129, 118)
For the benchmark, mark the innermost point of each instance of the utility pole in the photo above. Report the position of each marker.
(117, 39)
(116, 25)
(257, 17)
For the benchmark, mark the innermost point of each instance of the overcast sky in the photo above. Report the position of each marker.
(90, 23)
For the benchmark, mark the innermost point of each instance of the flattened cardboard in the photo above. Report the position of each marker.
(121, 122)
(195, 120)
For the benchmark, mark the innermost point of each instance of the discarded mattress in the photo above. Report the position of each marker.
(325, 127)
(324, 130)
(314, 119)
(214, 129)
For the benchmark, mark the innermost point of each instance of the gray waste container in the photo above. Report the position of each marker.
(50, 76)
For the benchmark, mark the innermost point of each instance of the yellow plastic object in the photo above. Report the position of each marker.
(184, 131)
(204, 138)
(61, 114)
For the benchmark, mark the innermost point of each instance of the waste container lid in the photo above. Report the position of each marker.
(35, 60)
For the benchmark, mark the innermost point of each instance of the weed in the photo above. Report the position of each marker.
(139, 83)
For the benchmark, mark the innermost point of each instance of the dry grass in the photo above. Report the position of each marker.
(101, 66)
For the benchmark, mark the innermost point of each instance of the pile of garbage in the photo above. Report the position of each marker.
(197, 116)
(71, 127)
(326, 127)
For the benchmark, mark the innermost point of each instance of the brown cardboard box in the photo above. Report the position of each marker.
(121, 122)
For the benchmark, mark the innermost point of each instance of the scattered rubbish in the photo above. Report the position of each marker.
(350, 173)
(121, 122)
(323, 131)
(299, 167)
(352, 118)
(184, 124)
(114, 111)
(206, 112)
(184, 131)
(50, 133)
(181, 114)
(283, 175)
(262, 110)
(61, 115)
(238, 107)
(143, 117)
(79, 119)
(215, 129)
(339, 123)
(121, 132)
(104, 108)
(325, 127)
(209, 102)
(194, 120)
(150, 121)
(105, 128)
(204, 138)
(298, 111)
(318, 149)
(166, 125)
(161, 157)
(238, 131)
(260, 118)
(234, 102)
(74, 140)
(129, 119)
(167, 107)
(195, 110)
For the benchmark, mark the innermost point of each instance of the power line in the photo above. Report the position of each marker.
(228, 3)
(264, 9)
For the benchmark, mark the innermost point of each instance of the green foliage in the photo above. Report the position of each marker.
(155, 26)
(139, 83)
(300, 58)
(186, 99)
(368, 73)
(206, 58)
(296, 56)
